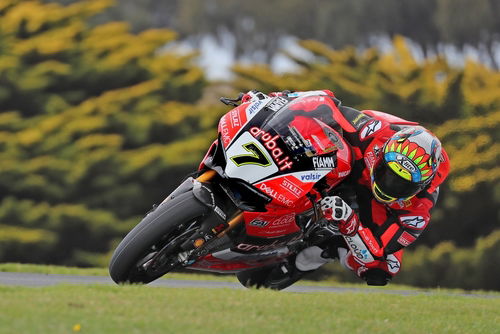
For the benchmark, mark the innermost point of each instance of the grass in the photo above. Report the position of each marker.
(136, 309)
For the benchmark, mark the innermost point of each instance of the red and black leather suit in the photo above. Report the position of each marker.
(386, 229)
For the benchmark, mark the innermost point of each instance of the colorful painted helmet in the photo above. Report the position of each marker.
(407, 164)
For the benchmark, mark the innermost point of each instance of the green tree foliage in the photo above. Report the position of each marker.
(448, 266)
(258, 26)
(461, 105)
(96, 124)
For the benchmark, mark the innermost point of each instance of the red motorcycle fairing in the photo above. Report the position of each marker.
(248, 253)
(228, 261)
(282, 147)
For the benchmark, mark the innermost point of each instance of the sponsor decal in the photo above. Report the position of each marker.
(360, 120)
(350, 227)
(311, 177)
(292, 188)
(227, 254)
(370, 241)
(224, 131)
(259, 223)
(277, 103)
(416, 222)
(393, 264)
(273, 232)
(283, 220)
(370, 159)
(370, 128)
(404, 204)
(235, 118)
(220, 213)
(254, 107)
(252, 248)
(359, 249)
(324, 162)
(277, 153)
(406, 163)
(406, 239)
(344, 174)
(274, 194)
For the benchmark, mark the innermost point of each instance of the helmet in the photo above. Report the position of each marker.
(408, 163)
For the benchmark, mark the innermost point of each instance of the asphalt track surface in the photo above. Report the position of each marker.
(38, 280)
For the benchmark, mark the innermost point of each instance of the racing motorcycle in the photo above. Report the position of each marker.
(252, 204)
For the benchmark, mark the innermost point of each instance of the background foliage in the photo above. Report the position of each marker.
(99, 120)
(95, 125)
(257, 28)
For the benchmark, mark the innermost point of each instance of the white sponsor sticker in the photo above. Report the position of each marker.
(416, 222)
(393, 264)
(370, 128)
(277, 103)
(359, 249)
(255, 107)
(324, 162)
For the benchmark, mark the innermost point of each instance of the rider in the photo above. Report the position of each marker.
(394, 183)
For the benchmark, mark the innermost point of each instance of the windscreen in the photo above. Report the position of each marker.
(305, 126)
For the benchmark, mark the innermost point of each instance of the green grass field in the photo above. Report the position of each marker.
(140, 309)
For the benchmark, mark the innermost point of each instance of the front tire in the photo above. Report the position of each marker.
(166, 222)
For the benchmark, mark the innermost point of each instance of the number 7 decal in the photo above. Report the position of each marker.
(256, 156)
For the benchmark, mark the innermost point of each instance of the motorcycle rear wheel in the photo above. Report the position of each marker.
(167, 222)
(272, 277)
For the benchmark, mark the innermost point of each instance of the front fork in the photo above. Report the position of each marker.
(210, 237)
(203, 239)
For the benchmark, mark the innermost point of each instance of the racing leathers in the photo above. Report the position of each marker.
(375, 233)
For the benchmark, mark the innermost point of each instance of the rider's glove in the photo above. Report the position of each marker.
(336, 210)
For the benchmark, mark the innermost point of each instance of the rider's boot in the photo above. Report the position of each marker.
(297, 266)
(284, 275)
(311, 258)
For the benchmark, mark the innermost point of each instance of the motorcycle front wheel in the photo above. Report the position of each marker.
(166, 226)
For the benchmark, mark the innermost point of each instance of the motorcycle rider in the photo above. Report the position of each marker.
(386, 200)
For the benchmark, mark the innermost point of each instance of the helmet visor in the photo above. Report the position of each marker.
(389, 186)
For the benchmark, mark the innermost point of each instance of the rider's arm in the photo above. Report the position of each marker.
(409, 223)
(369, 247)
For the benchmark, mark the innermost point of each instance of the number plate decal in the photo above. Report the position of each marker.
(249, 160)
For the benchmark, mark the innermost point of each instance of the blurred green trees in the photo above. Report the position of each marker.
(96, 124)
(256, 28)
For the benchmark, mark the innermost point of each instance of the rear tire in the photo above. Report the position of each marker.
(255, 278)
(276, 277)
(158, 225)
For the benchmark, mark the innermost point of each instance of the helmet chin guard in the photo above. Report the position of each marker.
(409, 161)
